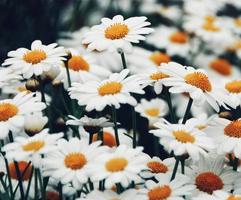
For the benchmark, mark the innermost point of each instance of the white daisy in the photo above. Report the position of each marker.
(166, 189)
(196, 83)
(8, 77)
(79, 65)
(174, 41)
(37, 60)
(109, 194)
(227, 134)
(157, 166)
(32, 148)
(222, 195)
(210, 175)
(116, 33)
(113, 91)
(71, 161)
(13, 111)
(153, 110)
(119, 166)
(183, 139)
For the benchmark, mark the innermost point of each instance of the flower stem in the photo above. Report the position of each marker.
(134, 127)
(175, 168)
(170, 106)
(115, 125)
(235, 164)
(9, 179)
(4, 186)
(35, 184)
(183, 165)
(68, 75)
(187, 112)
(122, 54)
(60, 191)
(41, 184)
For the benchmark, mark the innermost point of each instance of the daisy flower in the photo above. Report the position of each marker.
(222, 195)
(71, 160)
(121, 165)
(34, 123)
(166, 189)
(32, 148)
(183, 139)
(210, 175)
(13, 112)
(196, 83)
(217, 67)
(35, 61)
(141, 60)
(109, 136)
(112, 91)
(116, 33)
(152, 110)
(79, 65)
(8, 77)
(227, 134)
(174, 41)
(109, 194)
(157, 166)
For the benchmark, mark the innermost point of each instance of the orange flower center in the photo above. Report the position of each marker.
(75, 161)
(160, 193)
(33, 146)
(201, 127)
(199, 80)
(233, 129)
(110, 88)
(152, 112)
(24, 171)
(208, 182)
(210, 26)
(222, 66)
(238, 22)
(7, 110)
(234, 86)
(51, 195)
(183, 136)
(210, 19)
(159, 58)
(116, 164)
(157, 167)
(116, 31)
(158, 76)
(34, 56)
(78, 63)
(232, 197)
(108, 139)
(179, 37)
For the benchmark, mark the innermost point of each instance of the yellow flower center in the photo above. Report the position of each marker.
(232, 197)
(179, 37)
(160, 193)
(78, 63)
(34, 56)
(222, 66)
(75, 161)
(208, 182)
(108, 139)
(33, 146)
(199, 80)
(24, 171)
(116, 164)
(210, 19)
(157, 167)
(233, 129)
(116, 31)
(7, 110)
(183, 136)
(210, 26)
(201, 127)
(158, 76)
(234, 86)
(152, 112)
(110, 88)
(159, 58)
(238, 22)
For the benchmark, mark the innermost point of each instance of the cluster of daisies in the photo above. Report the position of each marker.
(61, 109)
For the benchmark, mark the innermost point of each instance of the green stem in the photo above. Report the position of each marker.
(60, 191)
(29, 184)
(175, 168)
(35, 184)
(183, 165)
(134, 127)
(4, 186)
(170, 106)
(187, 112)
(235, 164)
(9, 179)
(115, 125)
(41, 184)
(101, 136)
(122, 54)
(68, 75)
